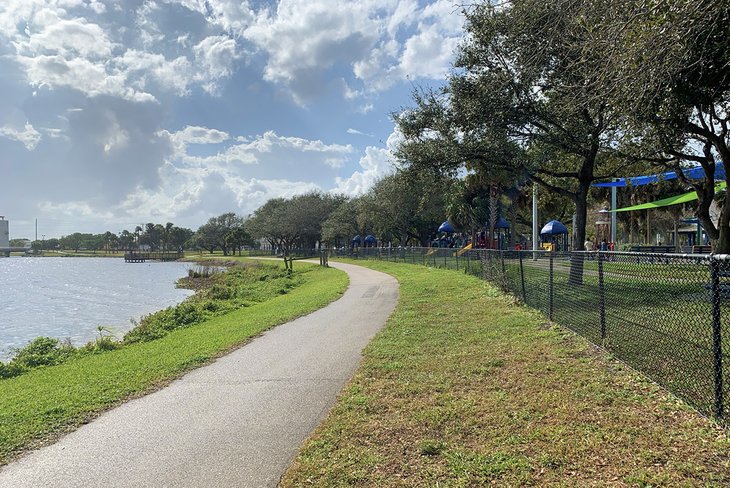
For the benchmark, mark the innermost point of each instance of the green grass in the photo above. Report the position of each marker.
(43, 403)
(658, 315)
(463, 387)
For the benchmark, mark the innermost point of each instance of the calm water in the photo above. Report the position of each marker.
(70, 297)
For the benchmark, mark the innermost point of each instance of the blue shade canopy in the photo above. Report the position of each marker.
(694, 173)
(552, 228)
(446, 227)
(502, 223)
(370, 239)
(357, 239)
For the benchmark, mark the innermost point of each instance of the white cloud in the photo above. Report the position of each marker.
(136, 67)
(66, 37)
(231, 15)
(59, 47)
(271, 153)
(363, 109)
(304, 39)
(376, 163)
(380, 42)
(358, 132)
(74, 209)
(427, 54)
(28, 136)
(199, 135)
(190, 196)
(307, 46)
(215, 56)
(81, 74)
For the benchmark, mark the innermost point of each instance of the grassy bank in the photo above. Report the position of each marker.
(464, 388)
(44, 402)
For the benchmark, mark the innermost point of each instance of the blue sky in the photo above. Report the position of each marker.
(119, 112)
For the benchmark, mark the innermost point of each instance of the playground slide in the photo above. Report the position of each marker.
(464, 249)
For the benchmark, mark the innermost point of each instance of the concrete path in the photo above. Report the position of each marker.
(237, 422)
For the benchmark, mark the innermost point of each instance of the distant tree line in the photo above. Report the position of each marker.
(150, 236)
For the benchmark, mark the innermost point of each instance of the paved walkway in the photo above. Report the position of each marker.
(237, 422)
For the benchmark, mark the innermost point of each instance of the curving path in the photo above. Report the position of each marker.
(237, 422)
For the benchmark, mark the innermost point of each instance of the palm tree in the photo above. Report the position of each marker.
(137, 231)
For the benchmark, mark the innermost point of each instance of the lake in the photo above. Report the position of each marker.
(70, 297)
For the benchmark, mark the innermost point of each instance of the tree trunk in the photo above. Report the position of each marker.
(581, 214)
(513, 222)
(493, 195)
(722, 244)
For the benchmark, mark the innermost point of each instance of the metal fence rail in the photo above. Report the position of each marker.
(666, 315)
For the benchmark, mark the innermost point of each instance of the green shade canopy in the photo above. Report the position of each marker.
(665, 202)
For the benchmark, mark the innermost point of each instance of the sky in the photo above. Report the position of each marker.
(114, 113)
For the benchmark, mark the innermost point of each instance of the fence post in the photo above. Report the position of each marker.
(434, 259)
(601, 296)
(551, 291)
(503, 278)
(716, 336)
(522, 278)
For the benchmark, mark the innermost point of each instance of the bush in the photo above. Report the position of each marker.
(221, 292)
(42, 351)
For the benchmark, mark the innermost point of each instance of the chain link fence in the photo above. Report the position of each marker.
(666, 315)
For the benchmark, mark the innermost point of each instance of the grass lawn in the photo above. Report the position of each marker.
(41, 404)
(465, 388)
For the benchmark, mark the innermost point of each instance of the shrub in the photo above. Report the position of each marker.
(42, 351)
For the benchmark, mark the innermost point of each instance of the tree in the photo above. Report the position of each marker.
(126, 240)
(110, 241)
(137, 232)
(179, 237)
(510, 111)
(297, 222)
(347, 221)
(306, 213)
(407, 205)
(267, 222)
(237, 238)
(212, 235)
(666, 69)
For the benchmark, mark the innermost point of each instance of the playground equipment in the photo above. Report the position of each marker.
(554, 236)
(502, 231)
(446, 227)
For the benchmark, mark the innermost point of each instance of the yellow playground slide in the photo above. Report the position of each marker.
(464, 249)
